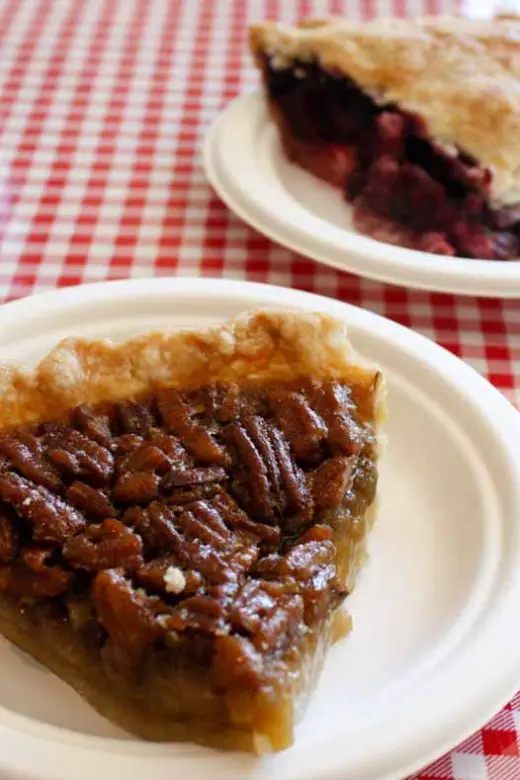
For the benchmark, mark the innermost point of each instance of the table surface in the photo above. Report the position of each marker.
(103, 106)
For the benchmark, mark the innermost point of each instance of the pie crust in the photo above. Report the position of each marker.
(169, 673)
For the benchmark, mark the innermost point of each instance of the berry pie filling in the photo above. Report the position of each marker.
(404, 187)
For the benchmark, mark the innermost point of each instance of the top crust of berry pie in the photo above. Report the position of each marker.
(461, 76)
(266, 346)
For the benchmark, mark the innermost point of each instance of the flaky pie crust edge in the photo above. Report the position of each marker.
(258, 347)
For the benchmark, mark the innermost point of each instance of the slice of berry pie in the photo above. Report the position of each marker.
(417, 121)
(182, 515)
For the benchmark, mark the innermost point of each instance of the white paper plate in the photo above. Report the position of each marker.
(245, 165)
(434, 651)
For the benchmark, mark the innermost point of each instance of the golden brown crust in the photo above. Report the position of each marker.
(461, 76)
(259, 347)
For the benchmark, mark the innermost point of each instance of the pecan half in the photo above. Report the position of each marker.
(95, 425)
(251, 479)
(147, 457)
(298, 499)
(127, 443)
(32, 578)
(138, 487)
(90, 500)
(151, 576)
(330, 482)
(260, 433)
(127, 615)
(179, 497)
(188, 477)
(198, 613)
(311, 565)
(194, 437)
(203, 522)
(268, 613)
(171, 447)
(76, 454)
(134, 417)
(304, 429)
(334, 404)
(236, 518)
(156, 525)
(29, 462)
(51, 518)
(267, 480)
(107, 546)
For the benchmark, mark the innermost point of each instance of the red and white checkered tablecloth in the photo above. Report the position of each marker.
(103, 108)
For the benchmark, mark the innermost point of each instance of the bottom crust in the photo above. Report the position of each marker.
(146, 710)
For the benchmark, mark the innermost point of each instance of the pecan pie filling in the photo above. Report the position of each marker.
(211, 532)
(404, 187)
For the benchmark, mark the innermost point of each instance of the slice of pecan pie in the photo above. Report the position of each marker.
(416, 120)
(181, 516)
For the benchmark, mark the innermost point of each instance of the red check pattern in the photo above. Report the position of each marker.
(103, 108)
